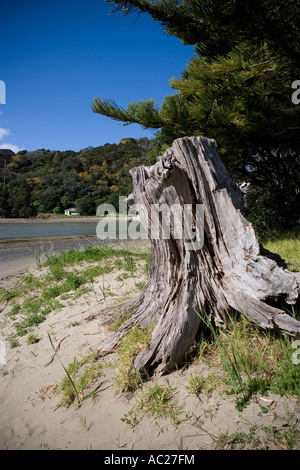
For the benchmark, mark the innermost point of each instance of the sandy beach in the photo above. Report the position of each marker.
(20, 254)
(32, 416)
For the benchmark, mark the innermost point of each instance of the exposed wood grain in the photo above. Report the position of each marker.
(231, 270)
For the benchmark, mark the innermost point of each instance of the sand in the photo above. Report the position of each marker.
(20, 254)
(32, 418)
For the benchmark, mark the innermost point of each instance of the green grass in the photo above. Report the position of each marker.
(8, 295)
(36, 295)
(238, 440)
(94, 254)
(14, 311)
(27, 323)
(262, 437)
(158, 401)
(196, 384)
(32, 338)
(127, 378)
(79, 376)
(252, 360)
(286, 377)
(281, 437)
(13, 342)
(287, 245)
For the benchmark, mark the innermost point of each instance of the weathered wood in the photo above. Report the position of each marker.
(231, 270)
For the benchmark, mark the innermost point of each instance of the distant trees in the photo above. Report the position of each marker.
(51, 181)
(71, 163)
(18, 198)
(86, 205)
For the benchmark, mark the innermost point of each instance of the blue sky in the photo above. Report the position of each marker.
(56, 56)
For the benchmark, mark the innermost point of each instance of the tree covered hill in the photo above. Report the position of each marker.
(44, 181)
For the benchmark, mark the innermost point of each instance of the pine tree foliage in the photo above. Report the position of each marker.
(144, 112)
(216, 26)
(241, 99)
(246, 93)
(237, 88)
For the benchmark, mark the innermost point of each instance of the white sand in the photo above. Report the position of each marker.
(31, 417)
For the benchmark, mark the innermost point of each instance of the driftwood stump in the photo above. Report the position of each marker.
(231, 271)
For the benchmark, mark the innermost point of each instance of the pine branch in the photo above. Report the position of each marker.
(274, 32)
(177, 18)
(110, 109)
(145, 113)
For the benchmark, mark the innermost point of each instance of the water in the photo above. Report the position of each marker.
(56, 229)
(20, 242)
(44, 229)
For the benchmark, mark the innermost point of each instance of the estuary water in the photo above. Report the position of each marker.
(54, 229)
(41, 229)
(22, 242)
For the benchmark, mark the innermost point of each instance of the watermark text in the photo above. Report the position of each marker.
(296, 94)
(157, 222)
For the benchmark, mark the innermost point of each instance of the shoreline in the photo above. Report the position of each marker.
(11, 242)
(51, 220)
(37, 220)
(18, 256)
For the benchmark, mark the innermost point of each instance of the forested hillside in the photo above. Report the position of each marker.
(46, 181)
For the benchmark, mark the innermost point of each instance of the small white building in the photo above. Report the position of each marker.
(71, 211)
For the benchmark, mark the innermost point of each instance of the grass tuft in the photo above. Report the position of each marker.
(254, 361)
(159, 402)
(127, 377)
(36, 295)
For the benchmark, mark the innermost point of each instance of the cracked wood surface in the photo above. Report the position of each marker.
(231, 271)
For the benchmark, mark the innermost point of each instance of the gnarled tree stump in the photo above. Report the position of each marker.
(230, 271)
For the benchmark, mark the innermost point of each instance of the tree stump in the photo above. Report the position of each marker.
(231, 270)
